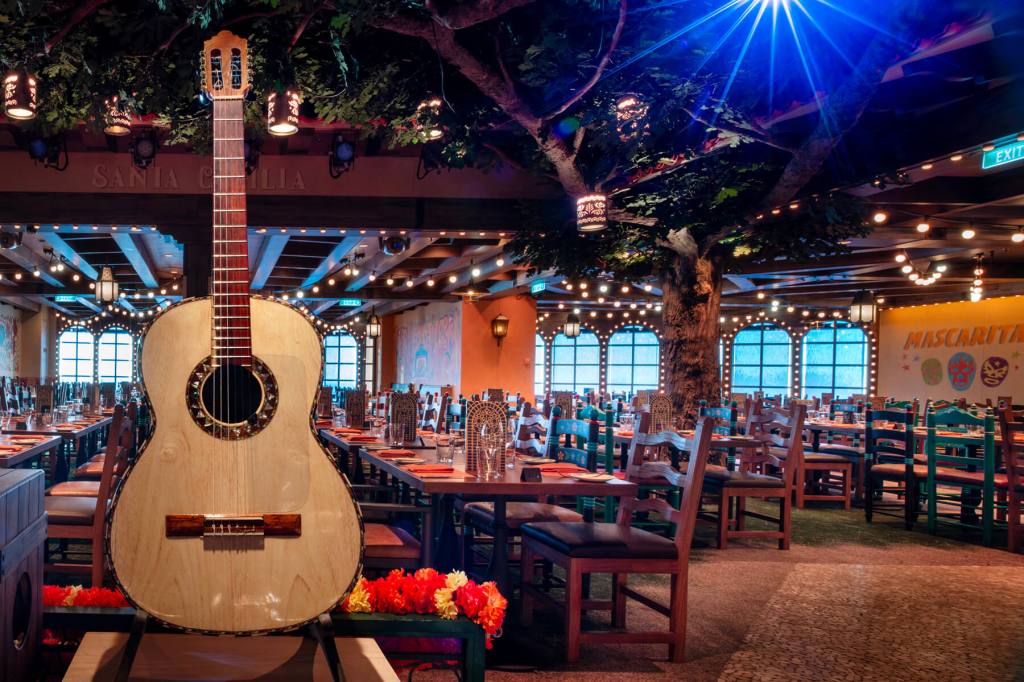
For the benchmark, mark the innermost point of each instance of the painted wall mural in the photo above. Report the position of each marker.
(10, 328)
(953, 350)
(429, 345)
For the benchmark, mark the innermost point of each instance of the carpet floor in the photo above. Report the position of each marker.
(848, 601)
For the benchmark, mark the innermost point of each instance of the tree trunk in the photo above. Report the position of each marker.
(692, 292)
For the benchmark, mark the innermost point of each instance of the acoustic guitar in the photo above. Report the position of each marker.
(233, 518)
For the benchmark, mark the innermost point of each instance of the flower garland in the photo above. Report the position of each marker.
(76, 595)
(428, 592)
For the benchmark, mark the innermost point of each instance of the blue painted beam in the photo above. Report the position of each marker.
(270, 251)
(62, 248)
(135, 251)
(333, 259)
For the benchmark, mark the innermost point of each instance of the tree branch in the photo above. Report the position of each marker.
(300, 29)
(473, 13)
(747, 133)
(77, 16)
(501, 63)
(164, 46)
(601, 65)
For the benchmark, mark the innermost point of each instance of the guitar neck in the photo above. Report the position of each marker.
(231, 331)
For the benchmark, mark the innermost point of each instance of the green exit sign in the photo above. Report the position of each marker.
(1011, 152)
(350, 302)
(65, 298)
(538, 287)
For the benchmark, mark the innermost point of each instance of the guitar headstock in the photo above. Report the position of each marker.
(225, 66)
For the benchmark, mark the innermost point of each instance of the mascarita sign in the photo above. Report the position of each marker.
(962, 337)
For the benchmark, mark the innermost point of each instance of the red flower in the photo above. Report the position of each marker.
(470, 598)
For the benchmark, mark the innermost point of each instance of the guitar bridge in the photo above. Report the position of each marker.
(221, 525)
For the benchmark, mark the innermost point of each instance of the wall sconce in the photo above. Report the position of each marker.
(499, 328)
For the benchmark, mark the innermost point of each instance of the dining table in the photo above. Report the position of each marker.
(26, 451)
(79, 437)
(444, 487)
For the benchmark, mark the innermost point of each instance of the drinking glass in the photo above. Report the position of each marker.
(626, 421)
(443, 450)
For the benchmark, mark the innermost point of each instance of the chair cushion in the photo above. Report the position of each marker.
(89, 470)
(389, 542)
(837, 449)
(715, 475)
(67, 510)
(518, 513)
(825, 458)
(942, 474)
(605, 540)
(75, 488)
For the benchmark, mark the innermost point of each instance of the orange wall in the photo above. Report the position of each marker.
(484, 364)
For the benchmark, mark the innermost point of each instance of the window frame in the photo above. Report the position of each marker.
(341, 383)
(761, 328)
(575, 345)
(91, 359)
(837, 391)
(632, 345)
(540, 349)
(129, 347)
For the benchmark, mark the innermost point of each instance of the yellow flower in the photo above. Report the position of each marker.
(72, 593)
(455, 580)
(359, 598)
(446, 608)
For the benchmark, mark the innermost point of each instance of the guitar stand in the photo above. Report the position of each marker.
(321, 630)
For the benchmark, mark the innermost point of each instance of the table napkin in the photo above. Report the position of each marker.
(388, 454)
(560, 468)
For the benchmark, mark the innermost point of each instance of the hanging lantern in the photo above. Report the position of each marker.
(572, 326)
(283, 113)
(863, 309)
(630, 117)
(373, 326)
(427, 119)
(115, 119)
(106, 287)
(20, 95)
(592, 213)
(499, 328)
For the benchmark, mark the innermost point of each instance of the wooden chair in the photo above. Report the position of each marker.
(88, 475)
(780, 432)
(82, 517)
(1011, 484)
(890, 445)
(618, 548)
(387, 542)
(726, 420)
(965, 477)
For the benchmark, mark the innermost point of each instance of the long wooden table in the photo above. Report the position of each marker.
(443, 491)
(81, 439)
(28, 452)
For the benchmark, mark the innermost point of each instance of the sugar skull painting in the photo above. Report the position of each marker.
(994, 371)
(961, 369)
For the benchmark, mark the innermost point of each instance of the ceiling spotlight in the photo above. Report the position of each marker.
(926, 166)
(790, 309)
(452, 279)
(475, 272)
(604, 287)
(901, 257)
(430, 282)
(906, 269)
(389, 281)
(1017, 237)
(880, 217)
(942, 267)
(500, 262)
(647, 287)
(956, 157)
(330, 281)
(624, 289)
(923, 227)
(409, 283)
(806, 313)
(968, 233)
(913, 276)
(372, 277)
(760, 295)
(988, 147)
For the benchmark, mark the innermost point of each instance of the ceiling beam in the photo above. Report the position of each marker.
(20, 302)
(333, 259)
(137, 254)
(381, 263)
(28, 260)
(89, 303)
(62, 248)
(266, 259)
(324, 305)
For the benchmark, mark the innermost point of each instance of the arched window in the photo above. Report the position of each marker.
(75, 354)
(340, 368)
(633, 354)
(116, 355)
(835, 360)
(575, 363)
(761, 360)
(538, 367)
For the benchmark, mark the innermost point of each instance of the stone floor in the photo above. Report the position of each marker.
(848, 602)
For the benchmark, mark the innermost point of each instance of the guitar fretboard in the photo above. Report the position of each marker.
(231, 331)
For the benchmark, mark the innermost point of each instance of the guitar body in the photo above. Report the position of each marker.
(224, 583)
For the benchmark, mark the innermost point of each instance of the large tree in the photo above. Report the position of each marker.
(700, 184)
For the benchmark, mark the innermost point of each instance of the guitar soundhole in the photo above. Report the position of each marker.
(232, 402)
(232, 395)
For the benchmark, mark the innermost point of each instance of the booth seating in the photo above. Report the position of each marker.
(82, 517)
(582, 548)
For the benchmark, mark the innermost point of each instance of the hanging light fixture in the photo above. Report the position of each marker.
(20, 95)
(115, 119)
(630, 117)
(106, 286)
(283, 113)
(863, 310)
(499, 328)
(592, 213)
(427, 119)
(373, 325)
(572, 326)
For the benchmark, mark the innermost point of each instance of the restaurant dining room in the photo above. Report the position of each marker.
(587, 340)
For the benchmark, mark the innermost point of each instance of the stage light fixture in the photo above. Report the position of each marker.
(143, 149)
(342, 156)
